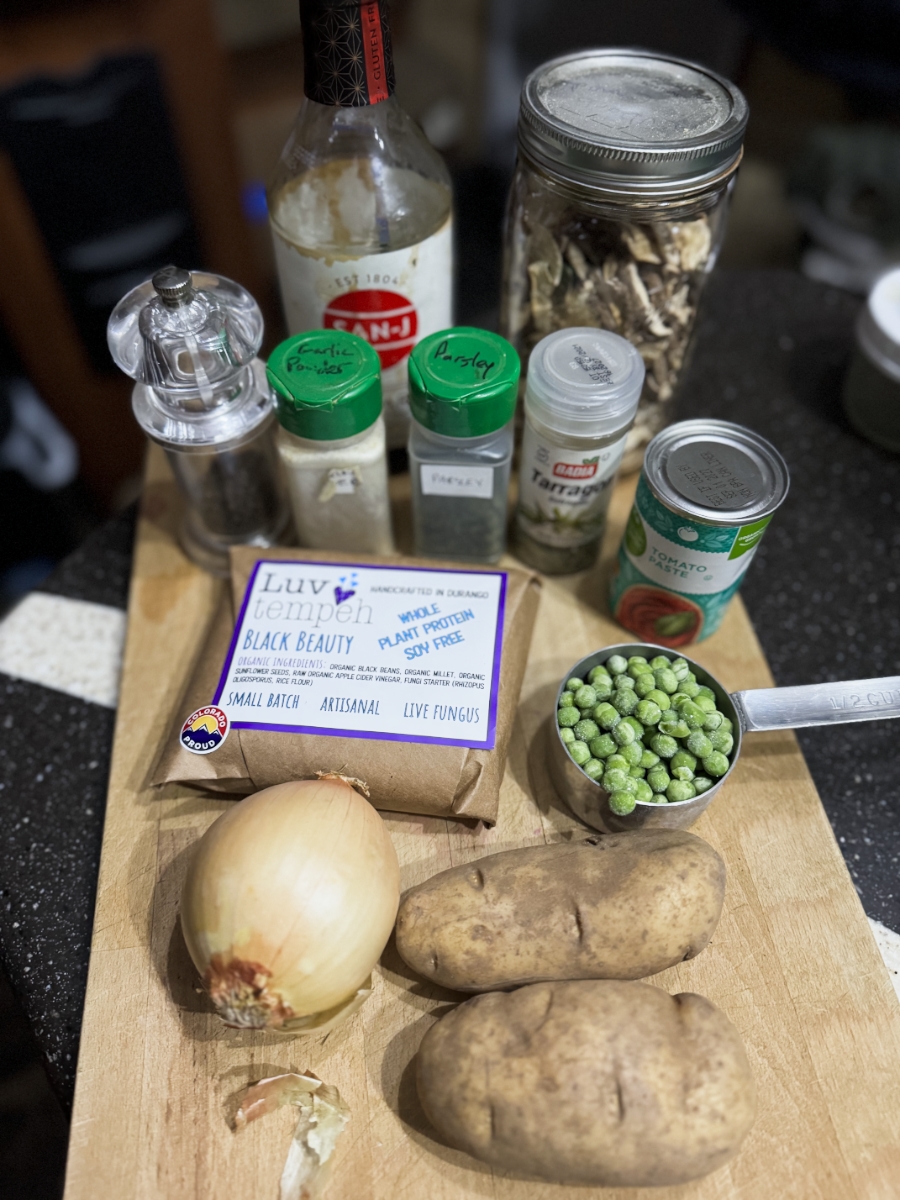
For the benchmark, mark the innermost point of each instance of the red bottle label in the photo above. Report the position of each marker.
(387, 320)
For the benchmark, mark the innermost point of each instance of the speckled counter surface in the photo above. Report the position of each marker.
(822, 592)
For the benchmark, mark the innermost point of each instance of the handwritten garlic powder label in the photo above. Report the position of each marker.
(397, 653)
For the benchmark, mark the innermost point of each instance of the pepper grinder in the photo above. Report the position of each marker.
(190, 340)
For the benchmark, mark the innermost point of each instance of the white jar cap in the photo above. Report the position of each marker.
(584, 381)
(878, 326)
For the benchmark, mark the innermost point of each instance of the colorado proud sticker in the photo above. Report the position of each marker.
(205, 730)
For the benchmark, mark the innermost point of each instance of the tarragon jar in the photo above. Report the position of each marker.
(617, 209)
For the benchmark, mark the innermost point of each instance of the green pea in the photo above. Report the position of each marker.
(622, 803)
(666, 681)
(623, 734)
(600, 673)
(649, 759)
(579, 752)
(624, 681)
(636, 772)
(573, 684)
(663, 745)
(686, 688)
(603, 746)
(683, 759)
(715, 764)
(679, 700)
(585, 697)
(644, 684)
(713, 722)
(657, 798)
(566, 700)
(568, 735)
(693, 715)
(727, 725)
(698, 743)
(617, 762)
(680, 669)
(637, 660)
(660, 663)
(701, 784)
(707, 692)
(615, 780)
(685, 774)
(722, 742)
(625, 701)
(648, 712)
(586, 729)
(635, 725)
(680, 789)
(660, 698)
(636, 670)
(644, 793)
(659, 779)
(706, 703)
(633, 753)
(606, 716)
(674, 727)
(617, 665)
(603, 688)
(568, 716)
(593, 768)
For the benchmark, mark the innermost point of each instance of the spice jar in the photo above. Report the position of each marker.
(331, 440)
(190, 340)
(617, 207)
(580, 400)
(463, 385)
(872, 385)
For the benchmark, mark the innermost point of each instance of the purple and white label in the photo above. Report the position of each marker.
(398, 653)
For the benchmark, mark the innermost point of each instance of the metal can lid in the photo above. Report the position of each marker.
(622, 120)
(716, 472)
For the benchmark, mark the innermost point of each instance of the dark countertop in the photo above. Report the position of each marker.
(822, 592)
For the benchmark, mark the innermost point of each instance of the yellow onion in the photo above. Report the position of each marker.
(288, 903)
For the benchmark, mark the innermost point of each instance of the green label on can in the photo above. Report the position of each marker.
(675, 576)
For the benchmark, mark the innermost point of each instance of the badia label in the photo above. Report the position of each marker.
(675, 576)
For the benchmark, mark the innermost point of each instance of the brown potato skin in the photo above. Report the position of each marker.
(594, 1081)
(621, 906)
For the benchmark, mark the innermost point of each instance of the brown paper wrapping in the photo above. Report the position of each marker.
(414, 777)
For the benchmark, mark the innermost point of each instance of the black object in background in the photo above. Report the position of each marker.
(97, 160)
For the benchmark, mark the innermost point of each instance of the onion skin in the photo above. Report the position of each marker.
(288, 903)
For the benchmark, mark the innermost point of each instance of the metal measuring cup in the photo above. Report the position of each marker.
(749, 712)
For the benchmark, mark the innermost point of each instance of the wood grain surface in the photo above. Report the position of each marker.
(793, 962)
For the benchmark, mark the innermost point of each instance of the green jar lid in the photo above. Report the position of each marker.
(463, 382)
(327, 384)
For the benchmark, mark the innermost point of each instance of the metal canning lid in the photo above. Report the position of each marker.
(327, 384)
(625, 121)
(716, 472)
(463, 382)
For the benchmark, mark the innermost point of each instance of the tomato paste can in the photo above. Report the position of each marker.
(706, 493)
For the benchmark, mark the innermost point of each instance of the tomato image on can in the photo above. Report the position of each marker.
(707, 491)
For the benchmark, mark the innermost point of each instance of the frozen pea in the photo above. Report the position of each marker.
(623, 734)
(715, 764)
(657, 798)
(624, 681)
(593, 768)
(568, 716)
(606, 716)
(644, 792)
(649, 759)
(637, 660)
(682, 758)
(674, 727)
(663, 745)
(617, 762)
(633, 753)
(722, 742)
(617, 665)
(727, 725)
(713, 721)
(566, 700)
(603, 688)
(685, 774)
(658, 779)
(698, 743)
(636, 670)
(635, 725)
(679, 700)
(644, 684)
(686, 688)
(568, 735)
(585, 697)
(707, 692)
(693, 715)
(648, 712)
(680, 789)
(622, 803)
(603, 746)
(701, 784)
(579, 752)
(586, 729)
(625, 701)
(660, 698)
(596, 673)
(660, 663)
(636, 772)
(706, 703)
(573, 684)
(680, 669)
(666, 681)
(614, 778)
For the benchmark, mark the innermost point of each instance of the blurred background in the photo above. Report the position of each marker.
(138, 132)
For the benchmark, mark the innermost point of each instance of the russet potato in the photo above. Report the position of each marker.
(592, 1082)
(622, 906)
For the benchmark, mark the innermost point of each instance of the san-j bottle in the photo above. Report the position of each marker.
(191, 343)
(360, 206)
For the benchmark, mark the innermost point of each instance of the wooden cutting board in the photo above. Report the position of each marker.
(793, 962)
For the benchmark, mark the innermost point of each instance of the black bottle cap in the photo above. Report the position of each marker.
(347, 52)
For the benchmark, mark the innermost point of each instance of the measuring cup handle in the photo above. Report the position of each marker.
(818, 704)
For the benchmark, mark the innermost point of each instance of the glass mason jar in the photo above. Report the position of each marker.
(617, 208)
